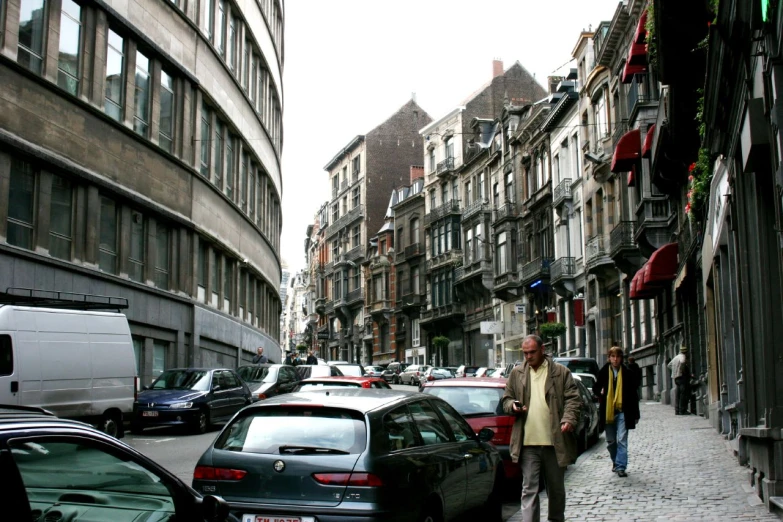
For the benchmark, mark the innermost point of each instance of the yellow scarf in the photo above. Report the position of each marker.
(614, 398)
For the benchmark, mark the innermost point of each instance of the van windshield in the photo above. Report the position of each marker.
(182, 380)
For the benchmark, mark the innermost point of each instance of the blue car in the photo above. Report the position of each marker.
(193, 397)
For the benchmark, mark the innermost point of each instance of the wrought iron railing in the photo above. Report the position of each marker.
(340, 223)
(594, 249)
(653, 211)
(452, 256)
(508, 277)
(535, 269)
(474, 208)
(562, 268)
(510, 209)
(354, 295)
(562, 192)
(445, 166)
(450, 207)
(620, 128)
(622, 237)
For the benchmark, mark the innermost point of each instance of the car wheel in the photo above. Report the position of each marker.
(431, 512)
(202, 421)
(111, 425)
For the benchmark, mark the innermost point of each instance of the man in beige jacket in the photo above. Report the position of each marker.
(545, 399)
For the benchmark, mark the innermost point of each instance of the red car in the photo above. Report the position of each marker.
(319, 383)
(478, 400)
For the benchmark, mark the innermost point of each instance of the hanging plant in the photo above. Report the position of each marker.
(440, 342)
(652, 46)
(551, 330)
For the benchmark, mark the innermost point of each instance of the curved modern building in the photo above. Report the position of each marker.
(140, 146)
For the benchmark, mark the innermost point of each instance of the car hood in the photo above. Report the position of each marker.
(166, 396)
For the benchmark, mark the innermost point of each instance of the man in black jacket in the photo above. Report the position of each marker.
(616, 386)
(311, 359)
(260, 358)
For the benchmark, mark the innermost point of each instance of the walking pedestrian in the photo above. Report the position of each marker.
(616, 386)
(289, 358)
(311, 358)
(259, 357)
(545, 399)
(681, 375)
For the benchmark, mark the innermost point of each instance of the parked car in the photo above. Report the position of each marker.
(58, 469)
(373, 371)
(467, 371)
(77, 364)
(268, 380)
(478, 400)
(588, 431)
(195, 397)
(337, 362)
(434, 373)
(305, 371)
(393, 371)
(579, 364)
(348, 381)
(587, 378)
(496, 373)
(357, 370)
(413, 373)
(350, 455)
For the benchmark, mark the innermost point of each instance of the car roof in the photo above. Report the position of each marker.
(472, 382)
(13, 417)
(195, 369)
(346, 378)
(363, 400)
(260, 365)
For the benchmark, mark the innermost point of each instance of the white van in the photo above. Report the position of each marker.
(76, 364)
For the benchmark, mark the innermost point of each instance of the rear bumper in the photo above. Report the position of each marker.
(177, 417)
(358, 513)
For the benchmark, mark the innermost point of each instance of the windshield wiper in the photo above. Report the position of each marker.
(311, 450)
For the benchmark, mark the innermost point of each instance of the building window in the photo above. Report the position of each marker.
(228, 284)
(509, 187)
(415, 333)
(356, 199)
(159, 349)
(138, 348)
(141, 97)
(218, 151)
(243, 182)
(220, 28)
(205, 136)
(468, 192)
(209, 17)
(600, 117)
(232, 42)
(137, 244)
(415, 231)
(415, 281)
(431, 157)
(335, 250)
(70, 43)
(356, 236)
(355, 282)
(60, 232)
(167, 112)
(335, 212)
(449, 148)
(229, 188)
(162, 256)
(252, 193)
(500, 254)
(201, 272)
(357, 167)
(432, 200)
(480, 187)
(495, 196)
(115, 75)
(21, 199)
(469, 247)
(32, 27)
(214, 271)
(107, 248)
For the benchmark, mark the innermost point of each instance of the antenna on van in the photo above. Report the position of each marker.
(15, 295)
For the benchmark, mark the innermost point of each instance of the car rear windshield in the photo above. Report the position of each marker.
(309, 386)
(257, 373)
(579, 366)
(322, 429)
(182, 380)
(470, 400)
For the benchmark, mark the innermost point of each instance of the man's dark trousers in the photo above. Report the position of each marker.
(683, 396)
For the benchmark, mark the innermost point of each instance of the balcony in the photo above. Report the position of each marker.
(410, 252)
(445, 167)
(476, 277)
(334, 192)
(562, 193)
(623, 249)
(506, 286)
(655, 223)
(597, 260)
(562, 274)
(619, 131)
(450, 257)
(320, 305)
(345, 220)
(439, 313)
(636, 99)
(411, 301)
(508, 211)
(448, 208)
(382, 306)
(536, 270)
(350, 257)
(475, 208)
(343, 185)
(354, 296)
(329, 307)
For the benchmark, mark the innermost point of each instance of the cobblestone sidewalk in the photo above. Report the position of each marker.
(679, 468)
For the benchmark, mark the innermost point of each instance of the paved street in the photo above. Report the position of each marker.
(679, 468)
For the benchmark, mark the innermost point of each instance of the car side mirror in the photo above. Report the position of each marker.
(486, 435)
(145, 388)
(215, 509)
(217, 387)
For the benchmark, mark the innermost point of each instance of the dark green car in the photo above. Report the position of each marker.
(352, 454)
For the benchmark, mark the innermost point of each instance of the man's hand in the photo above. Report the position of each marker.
(516, 409)
(566, 427)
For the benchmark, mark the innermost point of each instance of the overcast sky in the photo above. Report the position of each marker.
(350, 64)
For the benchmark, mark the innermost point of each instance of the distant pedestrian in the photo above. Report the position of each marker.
(616, 386)
(681, 375)
(545, 399)
(259, 357)
(311, 359)
(289, 358)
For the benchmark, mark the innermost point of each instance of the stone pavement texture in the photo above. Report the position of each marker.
(679, 468)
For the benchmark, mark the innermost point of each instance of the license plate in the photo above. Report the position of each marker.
(149, 414)
(268, 518)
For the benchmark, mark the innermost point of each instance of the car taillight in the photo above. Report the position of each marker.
(210, 473)
(430, 378)
(261, 396)
(502, 430)
(418, 373)
(348, 479)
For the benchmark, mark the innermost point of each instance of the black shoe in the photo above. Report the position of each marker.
(622, 473)
(614, 468)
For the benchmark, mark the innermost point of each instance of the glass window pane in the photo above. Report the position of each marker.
(166, 111)
(60, 233)
(20, 204)
(218, 153)
(32, 24)
(159, 349)
(107, 249)
(136, 255)
(142, 94)
(138, 348)
(162, 257)
(115, 63)
(70, 40)
(205, 135)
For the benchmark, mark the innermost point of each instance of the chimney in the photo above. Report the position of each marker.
(552, 81)
(497, 68)
(416, 172)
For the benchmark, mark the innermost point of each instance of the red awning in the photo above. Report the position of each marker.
(640, 36)
(637, 54)
(629, 70)
(638, 289)
(661, 268)
(579, 312)
(632, 177)
(648, 141)
(627, 151)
